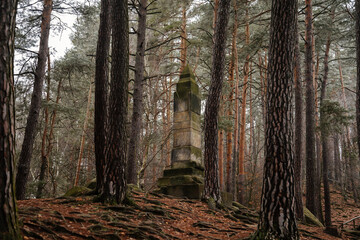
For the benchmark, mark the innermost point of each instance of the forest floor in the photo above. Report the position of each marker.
(155, 216)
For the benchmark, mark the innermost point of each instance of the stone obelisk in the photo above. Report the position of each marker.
(185, 176)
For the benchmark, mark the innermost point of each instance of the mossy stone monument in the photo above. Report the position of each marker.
(184, 178)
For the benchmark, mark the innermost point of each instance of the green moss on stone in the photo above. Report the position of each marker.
(77, 191)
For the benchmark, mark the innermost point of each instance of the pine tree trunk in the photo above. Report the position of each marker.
(136, 121)
(101, 92)
(23, 167)
(82, 141)
(183, 38)
(9, 228)
(242, 137)
(44, 160)
(278, 221)
(357, 10)
(310, 114)
(325, 138)
(229, 138)
(299, 128)
(115, 183)
(212, 188)
(337, 162)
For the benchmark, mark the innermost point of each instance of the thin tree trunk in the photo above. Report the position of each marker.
(33, 117)
(82, 142)
(310, 114)
(357, 10)
(9, 228)
(337, 162)
(212, 188)
(278, 221)
(242, 148)
(183, 35)
(229, 154)
(236, 129)
(44, 160)
(136, 123)
(101, 92)
(325, 138)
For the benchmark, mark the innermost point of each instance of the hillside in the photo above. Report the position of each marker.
(154, 216)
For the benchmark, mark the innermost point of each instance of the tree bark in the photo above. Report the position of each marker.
(183, 35)
(277, 214)
(212, 188)
(299, 128)
(242, 148)
(310, 114)
(23, 167)
(136, 123)
(9, 228)
(82, 141)
(101, 92)
(325, 138)
(44, 160)
(357, 10)
(115, 184)
(229, 134)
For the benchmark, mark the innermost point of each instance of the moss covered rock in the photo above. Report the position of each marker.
(77, 191)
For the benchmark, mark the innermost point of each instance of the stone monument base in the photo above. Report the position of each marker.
(183, 179)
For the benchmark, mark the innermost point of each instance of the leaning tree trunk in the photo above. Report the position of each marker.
(32, 120)
(212, 187)
(101, 90)
(9, 228)
(136, 124)
(115, 183)
(277, 214)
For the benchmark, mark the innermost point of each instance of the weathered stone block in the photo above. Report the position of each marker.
(186, 116)
(192, 191)
(187, 153)
(187, 164)
(183, 171)
(180, 180)
(187, 102)
(187, 137)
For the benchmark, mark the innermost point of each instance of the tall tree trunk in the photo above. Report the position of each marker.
(299, 128)
(82, 140)
(357, 10)
(115, 183)
(101, 92)
(183, 35)
(229, 154)
(9, 228)
(45, 165)
(44, 160)
(136, 121)
(212, 188)
(325, 137)
(310, 114)
(23, 167)
(278, 221)
(241, 176)
(236, 129)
